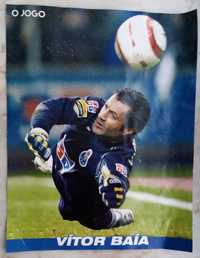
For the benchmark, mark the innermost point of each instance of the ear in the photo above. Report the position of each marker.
(128, 131)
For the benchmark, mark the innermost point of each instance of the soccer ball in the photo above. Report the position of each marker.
(140, 42)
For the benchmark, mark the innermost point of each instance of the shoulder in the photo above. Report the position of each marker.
(94, 103)
(121, 158)
(87, 106)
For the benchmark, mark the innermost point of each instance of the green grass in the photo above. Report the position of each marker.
(163, 172)
(169, 193)
(138, 172)
(32, 213)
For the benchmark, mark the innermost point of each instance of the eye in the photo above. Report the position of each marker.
(114, 116)
(105, 106)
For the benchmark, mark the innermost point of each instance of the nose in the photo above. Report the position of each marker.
(103, 115)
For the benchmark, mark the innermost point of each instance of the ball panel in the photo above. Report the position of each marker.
(160, 35)
(142, 51)
(125, 41)
(119, 52)
(151, 36)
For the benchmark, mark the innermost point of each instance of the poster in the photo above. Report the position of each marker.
(73, 54)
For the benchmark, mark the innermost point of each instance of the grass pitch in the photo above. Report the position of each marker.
(32, 213)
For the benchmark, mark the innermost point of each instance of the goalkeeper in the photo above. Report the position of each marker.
(91, 162)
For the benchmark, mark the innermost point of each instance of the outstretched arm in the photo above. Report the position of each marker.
(57, 111)
(46, 115)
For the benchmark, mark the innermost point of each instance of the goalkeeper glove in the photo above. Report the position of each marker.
(111, 188)
(37, 141)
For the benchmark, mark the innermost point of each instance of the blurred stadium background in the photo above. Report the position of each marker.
(70, 52)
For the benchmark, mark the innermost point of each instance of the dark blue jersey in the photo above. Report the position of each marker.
(80, 153)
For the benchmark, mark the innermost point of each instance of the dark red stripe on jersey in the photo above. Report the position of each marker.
(131, 33)
(156, 49)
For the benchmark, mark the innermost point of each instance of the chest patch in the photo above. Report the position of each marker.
(84, 157)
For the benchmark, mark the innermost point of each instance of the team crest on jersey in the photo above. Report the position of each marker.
(66, 162)
(81, 108)
(93, 106)
(121, 169)
(84, 157)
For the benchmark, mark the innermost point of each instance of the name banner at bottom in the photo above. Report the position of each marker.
(99, 243)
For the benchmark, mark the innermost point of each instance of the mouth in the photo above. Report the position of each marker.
(99, 124)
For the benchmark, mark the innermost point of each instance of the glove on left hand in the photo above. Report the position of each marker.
(111, 188)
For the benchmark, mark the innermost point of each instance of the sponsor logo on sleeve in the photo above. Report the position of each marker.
(93, 106)
(121, 169)
(81, 108)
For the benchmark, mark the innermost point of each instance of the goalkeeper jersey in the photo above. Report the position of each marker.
(80, 153)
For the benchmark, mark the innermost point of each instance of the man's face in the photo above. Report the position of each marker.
(110, 120)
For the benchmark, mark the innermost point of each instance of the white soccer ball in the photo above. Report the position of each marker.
(140, 42)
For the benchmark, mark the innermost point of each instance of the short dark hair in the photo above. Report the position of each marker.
(139, 112)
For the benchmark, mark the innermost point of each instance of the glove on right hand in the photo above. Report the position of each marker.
(37, 141)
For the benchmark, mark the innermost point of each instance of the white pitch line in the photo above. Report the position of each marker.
(147, 197)
(141, 196)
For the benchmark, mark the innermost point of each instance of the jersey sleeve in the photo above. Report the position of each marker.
(59, 111)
